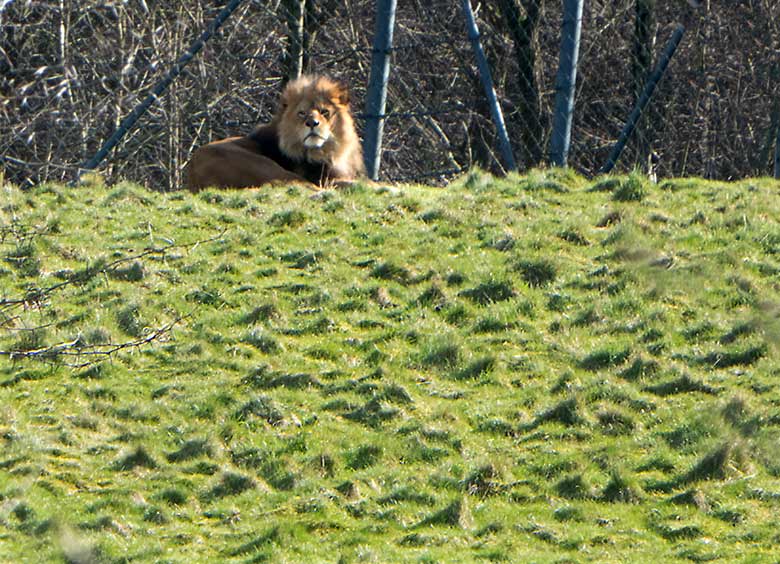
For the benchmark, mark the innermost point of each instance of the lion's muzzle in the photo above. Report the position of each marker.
(314, 139)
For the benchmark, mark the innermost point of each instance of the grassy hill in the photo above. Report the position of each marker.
(533, 369)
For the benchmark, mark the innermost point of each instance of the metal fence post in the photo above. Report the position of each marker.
(487, 83)
(647, 93)
(376, 95)
(565, 82)
(159, 88)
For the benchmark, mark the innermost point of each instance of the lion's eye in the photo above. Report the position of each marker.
(324, 112)
(301, 115)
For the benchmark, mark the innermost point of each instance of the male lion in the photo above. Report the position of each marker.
(311, 140)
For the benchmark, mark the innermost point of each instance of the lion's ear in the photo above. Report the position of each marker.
(341, 92)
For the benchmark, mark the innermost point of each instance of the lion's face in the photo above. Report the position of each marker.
(315, 131)
(312, 113)
(314, 124)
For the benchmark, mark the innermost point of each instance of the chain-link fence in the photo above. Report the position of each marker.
(71, 71)
(714, 114)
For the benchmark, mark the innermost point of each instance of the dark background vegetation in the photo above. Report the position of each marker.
(71, 70)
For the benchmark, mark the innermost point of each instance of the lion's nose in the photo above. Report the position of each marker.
(312, 122)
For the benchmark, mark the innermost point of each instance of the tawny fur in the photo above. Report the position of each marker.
(311, 140)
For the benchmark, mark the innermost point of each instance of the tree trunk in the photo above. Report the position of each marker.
(644, 39)
(304, 18)
(641, 67)
(523, 31)
(295, 55)
(709, 131)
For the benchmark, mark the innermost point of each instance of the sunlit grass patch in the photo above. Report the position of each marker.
(532, 368)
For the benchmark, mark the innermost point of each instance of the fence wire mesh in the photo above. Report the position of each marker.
(715, 112)
(71, 70)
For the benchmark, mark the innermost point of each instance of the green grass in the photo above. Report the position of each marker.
(541, 368)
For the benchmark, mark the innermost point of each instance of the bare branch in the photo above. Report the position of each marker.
(88, 354)
(37, 297)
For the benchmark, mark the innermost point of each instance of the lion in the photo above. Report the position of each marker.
(311, 140)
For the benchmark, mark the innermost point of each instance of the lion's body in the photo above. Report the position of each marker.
(311, 140)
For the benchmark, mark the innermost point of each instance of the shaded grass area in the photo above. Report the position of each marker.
(537, 368)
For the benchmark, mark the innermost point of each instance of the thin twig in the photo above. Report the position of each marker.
(78, 349)
(35, 297)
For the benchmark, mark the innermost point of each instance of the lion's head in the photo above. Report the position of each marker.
(314, 124)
